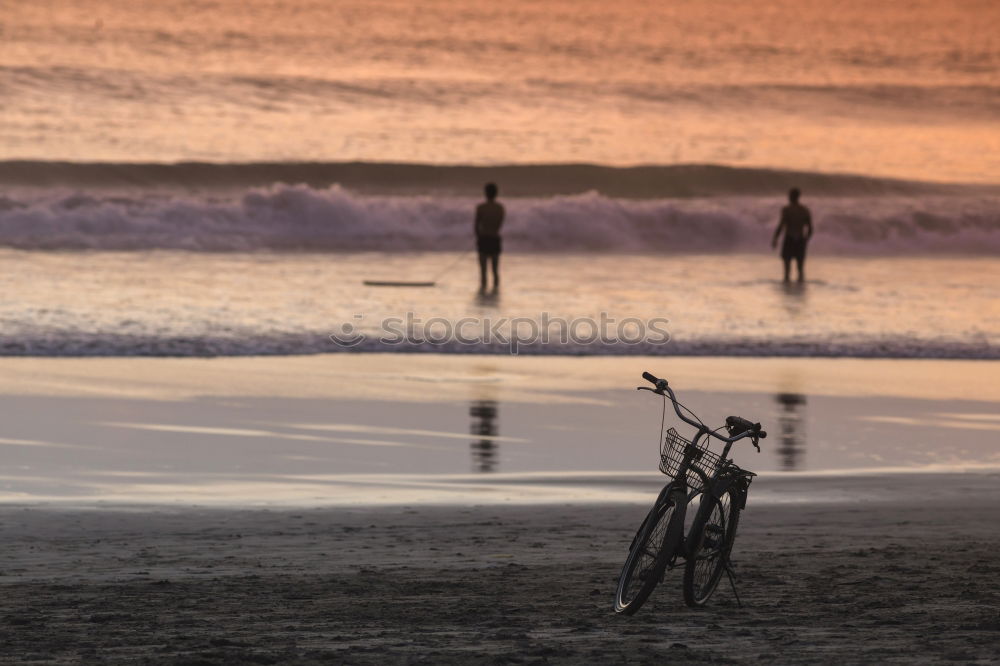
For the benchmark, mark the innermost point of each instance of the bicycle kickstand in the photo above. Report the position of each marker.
(732, 582)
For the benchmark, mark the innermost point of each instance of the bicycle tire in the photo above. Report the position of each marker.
(710, 542)
(654, 544)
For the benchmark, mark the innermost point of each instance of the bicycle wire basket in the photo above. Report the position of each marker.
(672, 452)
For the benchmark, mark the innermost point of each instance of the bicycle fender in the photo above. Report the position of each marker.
(662, 497)
(740, 485)
(721, 485)
(669, 489)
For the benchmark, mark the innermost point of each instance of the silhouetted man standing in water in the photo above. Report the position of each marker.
(489, 219)
(796, 222)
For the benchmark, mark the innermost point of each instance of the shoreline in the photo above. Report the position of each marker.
(538, 490)
(396, 377)
(345, 430)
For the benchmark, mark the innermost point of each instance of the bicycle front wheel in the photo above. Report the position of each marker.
(709, 544)
(657, 539)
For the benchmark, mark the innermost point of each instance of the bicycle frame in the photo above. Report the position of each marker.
(722, 480)
(716, 486)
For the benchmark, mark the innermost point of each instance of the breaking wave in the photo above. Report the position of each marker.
(334, 218)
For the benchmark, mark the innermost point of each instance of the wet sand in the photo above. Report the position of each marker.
(890, 580)
(364, 429)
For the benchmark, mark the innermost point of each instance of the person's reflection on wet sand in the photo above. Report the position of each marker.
(483, 415)
(488, 299)
(791, 420)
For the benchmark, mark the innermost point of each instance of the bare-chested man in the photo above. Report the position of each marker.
(796, 222)
(489, 219)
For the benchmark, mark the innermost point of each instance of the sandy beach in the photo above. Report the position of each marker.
(911, 578)
(158, 515)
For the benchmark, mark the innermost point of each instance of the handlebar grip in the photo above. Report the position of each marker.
(762, 434)
(649, 377)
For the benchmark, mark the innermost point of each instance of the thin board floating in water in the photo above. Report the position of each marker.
(390, 283)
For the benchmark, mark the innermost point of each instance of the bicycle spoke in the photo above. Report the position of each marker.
(641, 570)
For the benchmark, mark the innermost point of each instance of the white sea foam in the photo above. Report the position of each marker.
(266, 343)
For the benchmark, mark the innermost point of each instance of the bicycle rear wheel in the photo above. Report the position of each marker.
(655, 542)
(711, 540)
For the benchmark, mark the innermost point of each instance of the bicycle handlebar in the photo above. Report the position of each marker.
(661, 386)
(749, 429)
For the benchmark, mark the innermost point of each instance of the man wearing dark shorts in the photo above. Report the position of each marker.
(489, 219)
(796, 222)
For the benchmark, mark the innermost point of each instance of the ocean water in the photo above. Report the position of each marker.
(201, 177)
(900, 88)
(181, 303)
(228, 259)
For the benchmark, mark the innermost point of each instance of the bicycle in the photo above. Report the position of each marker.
(697, 474)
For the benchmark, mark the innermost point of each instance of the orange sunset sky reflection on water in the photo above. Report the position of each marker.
(886, 89)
